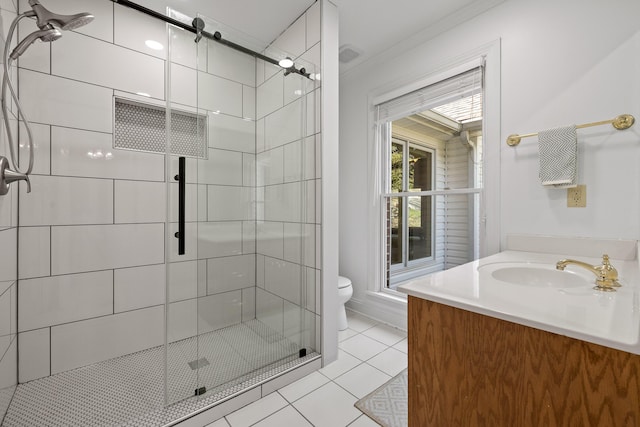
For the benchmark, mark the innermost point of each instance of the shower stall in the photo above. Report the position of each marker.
(168, 256)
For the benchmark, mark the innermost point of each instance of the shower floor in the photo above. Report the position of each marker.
(129, 390)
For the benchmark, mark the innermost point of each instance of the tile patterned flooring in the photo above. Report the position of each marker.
(370, 353)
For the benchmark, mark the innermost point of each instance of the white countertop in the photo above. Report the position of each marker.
(611, 319)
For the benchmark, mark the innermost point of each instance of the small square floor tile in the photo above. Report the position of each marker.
(336, 410)
(362, 380)
(362, 347)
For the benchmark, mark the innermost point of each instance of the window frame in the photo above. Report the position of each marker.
(377, 293)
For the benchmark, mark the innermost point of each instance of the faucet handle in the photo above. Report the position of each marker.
(7, 176)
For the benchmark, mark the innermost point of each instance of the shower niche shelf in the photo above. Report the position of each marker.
(142, 127)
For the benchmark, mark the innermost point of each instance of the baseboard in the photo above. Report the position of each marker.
(378, 306)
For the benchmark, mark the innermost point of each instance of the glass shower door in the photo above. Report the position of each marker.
(237, 292)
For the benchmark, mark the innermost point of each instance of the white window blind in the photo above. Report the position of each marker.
(443, 92)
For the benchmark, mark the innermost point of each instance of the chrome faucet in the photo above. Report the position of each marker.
(606, 274)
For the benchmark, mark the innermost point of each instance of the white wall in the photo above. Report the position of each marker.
(8, 255)
(562, 62)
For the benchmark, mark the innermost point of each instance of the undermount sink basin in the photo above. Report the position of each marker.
(537, 275)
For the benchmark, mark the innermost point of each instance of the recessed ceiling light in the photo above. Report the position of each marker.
(152, 44)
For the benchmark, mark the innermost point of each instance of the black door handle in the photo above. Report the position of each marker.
(182, 187)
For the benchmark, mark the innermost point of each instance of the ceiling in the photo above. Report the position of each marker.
(369, 26)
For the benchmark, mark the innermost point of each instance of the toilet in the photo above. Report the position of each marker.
(345, 290)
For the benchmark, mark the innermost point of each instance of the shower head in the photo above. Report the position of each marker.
(65, 22)
(46, 35)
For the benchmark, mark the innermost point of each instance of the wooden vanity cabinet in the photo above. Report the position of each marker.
(467, 369)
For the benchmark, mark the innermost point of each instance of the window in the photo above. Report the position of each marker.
(432, 181)
(412, 169)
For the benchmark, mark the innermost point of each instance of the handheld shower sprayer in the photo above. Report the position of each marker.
(48, 24)
(46, 35)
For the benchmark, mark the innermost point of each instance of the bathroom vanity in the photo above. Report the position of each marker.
(508, 340)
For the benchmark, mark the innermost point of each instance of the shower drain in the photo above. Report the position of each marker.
(200, 363)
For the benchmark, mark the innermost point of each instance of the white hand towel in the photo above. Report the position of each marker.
(558, 153)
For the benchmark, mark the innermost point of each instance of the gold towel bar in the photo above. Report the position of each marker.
(624, 121)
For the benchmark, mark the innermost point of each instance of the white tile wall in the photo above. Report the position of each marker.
(270, 167)
(184, 85)
(34, 348)
(74, 249)
(70, 156)
(313, 26)
(248, 237)
(182, 320)
(229, 94)
(270, 310)
(270, 239)
(249, 102)
(283, 202)
(219, 311)
(283, 278)
(66, 201)
(293, 40)
(248, 304)
(8, 371)
(230, 203)
(231, 273)
(217, 239)
(133, 29)
(248, 170)
(222, 167)
(55, 300)
(231, 64)
(64, 102)
(34, 247)
(139, 202)
(284, 125)
(8, 261)
(82, 343)
(185, 52)
(232, 133)
(138, 287)
(94, 61)
(183, 280)
(293, 239)
(41, 145)
(270, 96)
